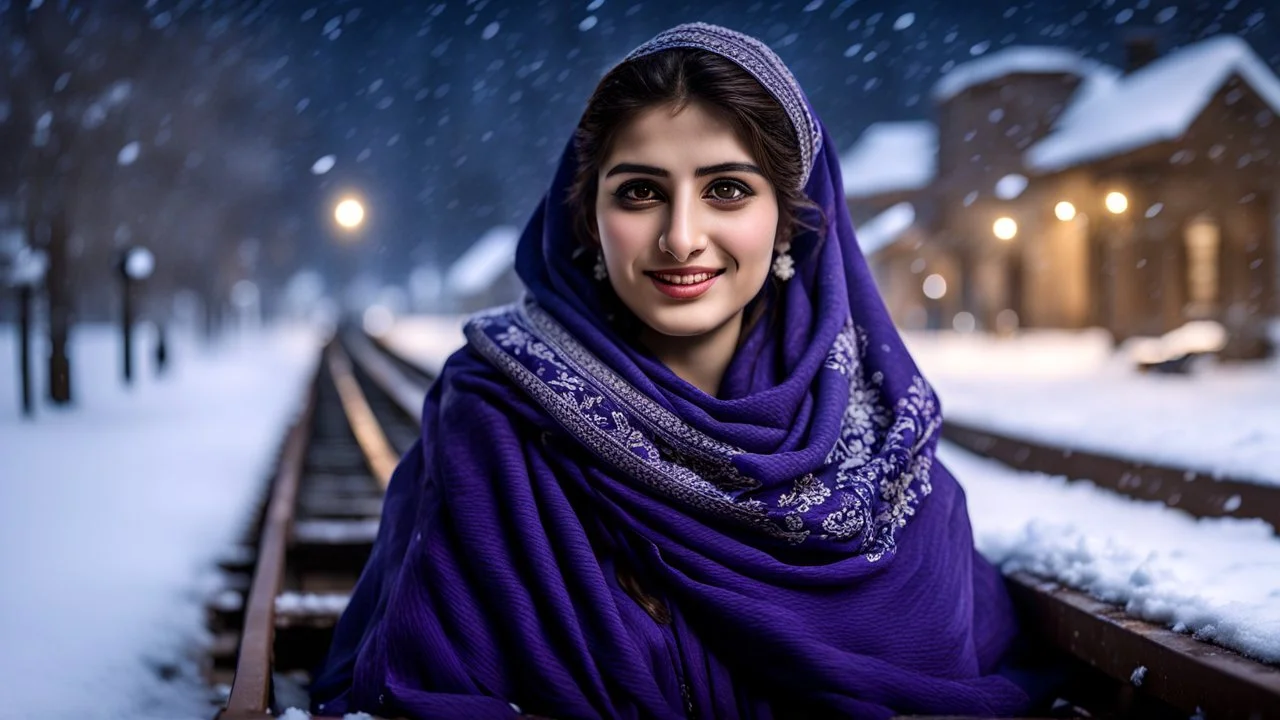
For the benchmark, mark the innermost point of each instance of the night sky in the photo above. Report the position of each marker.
(448, 117)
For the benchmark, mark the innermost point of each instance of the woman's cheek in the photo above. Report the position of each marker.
(754, 249)
(621, 233)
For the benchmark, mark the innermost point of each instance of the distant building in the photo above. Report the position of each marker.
(1054, 191)
(485, 276)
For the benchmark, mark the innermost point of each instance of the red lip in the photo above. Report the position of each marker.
(691, 270)
(684, 292)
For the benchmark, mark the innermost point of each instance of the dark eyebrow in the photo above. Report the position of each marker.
(728, 167)
(641, 169)
(700, 172)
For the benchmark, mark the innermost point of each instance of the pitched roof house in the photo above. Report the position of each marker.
(1054, 191)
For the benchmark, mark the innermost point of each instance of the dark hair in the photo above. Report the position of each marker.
(677, 77)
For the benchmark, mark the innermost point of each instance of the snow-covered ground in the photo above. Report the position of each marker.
(112, 514)
(427, 339)
(1217, 578)
(1070, 388)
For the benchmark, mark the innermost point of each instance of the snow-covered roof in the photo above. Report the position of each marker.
(881, 230)
(484, 262)
(891, 157)
(1154, 104)
(1018, 59)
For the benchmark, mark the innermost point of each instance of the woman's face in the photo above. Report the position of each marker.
(687, 220)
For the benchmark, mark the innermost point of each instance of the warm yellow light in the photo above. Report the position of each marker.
(1117, 202)
(1005, 228)
(349, 213)
(1065, 211)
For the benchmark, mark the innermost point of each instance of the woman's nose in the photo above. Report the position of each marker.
(683, 238)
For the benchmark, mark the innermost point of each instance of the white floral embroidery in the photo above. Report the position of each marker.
(875, 475)
(843, 355)
(809, 492)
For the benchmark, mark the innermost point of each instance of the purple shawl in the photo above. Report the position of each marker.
(814, 558)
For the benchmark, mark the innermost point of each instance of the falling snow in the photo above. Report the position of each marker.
(1011, 186)
(324, 164)
(128, 154)
(452, 116)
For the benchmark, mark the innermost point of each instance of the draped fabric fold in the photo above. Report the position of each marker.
(811, 556)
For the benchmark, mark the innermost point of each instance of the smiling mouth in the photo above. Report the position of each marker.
(684, 278)
(685, 284)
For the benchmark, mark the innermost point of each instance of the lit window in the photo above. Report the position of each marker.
(1203, 239)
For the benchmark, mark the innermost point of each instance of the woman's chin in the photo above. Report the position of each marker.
(683, 327)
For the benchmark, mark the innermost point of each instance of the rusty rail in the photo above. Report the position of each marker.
(1181, 672)
(251, 689)
(284, 542)
(1194, 677)
(385, 370)
(381, 457)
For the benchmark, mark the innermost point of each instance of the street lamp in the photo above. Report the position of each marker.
(349, 213)
(136, 264)
(28, 272)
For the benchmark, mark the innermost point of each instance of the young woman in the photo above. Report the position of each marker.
(692, 474)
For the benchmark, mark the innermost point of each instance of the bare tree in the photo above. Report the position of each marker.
(159, 124)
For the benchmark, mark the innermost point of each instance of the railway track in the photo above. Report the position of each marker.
(287, 586)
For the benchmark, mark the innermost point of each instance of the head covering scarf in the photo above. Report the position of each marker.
(813, 557)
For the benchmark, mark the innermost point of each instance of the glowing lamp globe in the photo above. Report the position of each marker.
(1006, 228)
(349, 214)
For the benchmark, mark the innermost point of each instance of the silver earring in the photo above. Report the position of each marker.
(600, 271)
(784, 267)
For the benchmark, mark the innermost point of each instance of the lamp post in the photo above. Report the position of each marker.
(28, 272)
(934, 289)
(1005, 229)
(349, 216)
(136, 265)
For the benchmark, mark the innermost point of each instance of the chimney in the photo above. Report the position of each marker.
(1141, 47)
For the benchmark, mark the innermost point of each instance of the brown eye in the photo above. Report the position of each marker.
(637, 193)
(728, 191)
